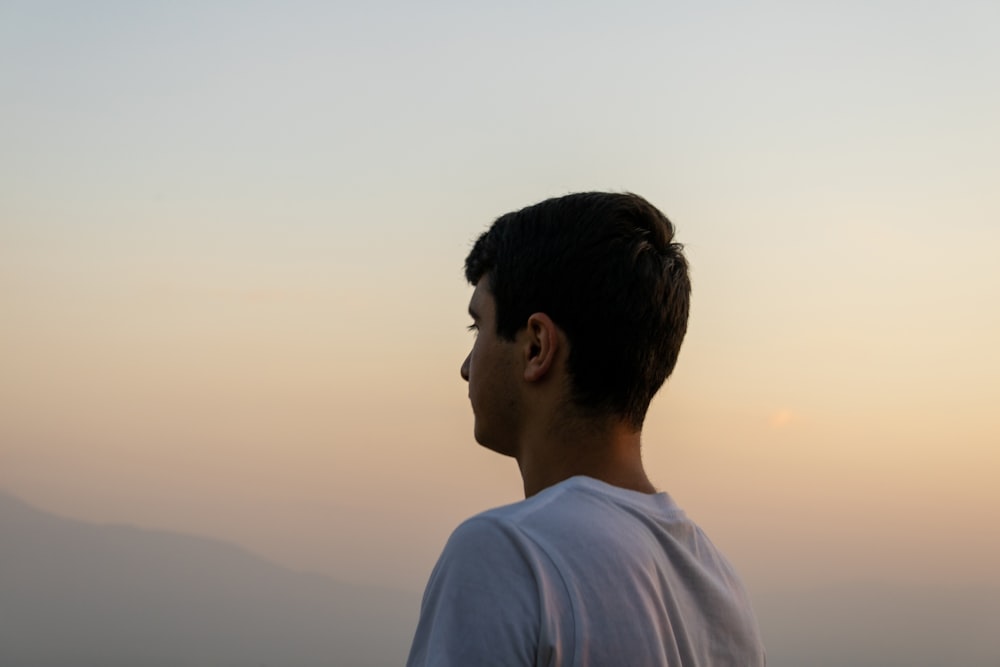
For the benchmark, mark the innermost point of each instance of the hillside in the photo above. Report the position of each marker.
(84, 594)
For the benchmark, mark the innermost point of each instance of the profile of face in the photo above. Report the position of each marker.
(492, 371)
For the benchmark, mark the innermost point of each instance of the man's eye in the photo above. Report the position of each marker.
(473, 328)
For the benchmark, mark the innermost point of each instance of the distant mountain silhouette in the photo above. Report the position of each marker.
(81, 594)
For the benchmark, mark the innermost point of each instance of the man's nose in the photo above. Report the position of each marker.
(465, 368)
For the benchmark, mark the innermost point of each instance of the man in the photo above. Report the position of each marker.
(580, 306)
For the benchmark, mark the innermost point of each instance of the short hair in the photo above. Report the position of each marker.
(605, 268)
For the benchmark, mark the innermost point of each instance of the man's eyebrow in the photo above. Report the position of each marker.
(472, 313)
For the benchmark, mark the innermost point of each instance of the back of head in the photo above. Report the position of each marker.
(605, 268)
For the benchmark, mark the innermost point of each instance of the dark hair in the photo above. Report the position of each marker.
(604, 267)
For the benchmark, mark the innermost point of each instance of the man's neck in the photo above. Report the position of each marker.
(605, 450)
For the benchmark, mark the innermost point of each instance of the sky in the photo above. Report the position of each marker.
(231, 247)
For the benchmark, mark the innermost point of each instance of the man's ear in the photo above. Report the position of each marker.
(541, 346)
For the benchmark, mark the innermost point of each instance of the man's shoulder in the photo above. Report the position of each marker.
(512, 517)
(574, 512)
(511, 526)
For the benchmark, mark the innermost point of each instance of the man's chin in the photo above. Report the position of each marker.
(492, 444)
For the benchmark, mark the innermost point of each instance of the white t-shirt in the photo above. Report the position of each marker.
(585, 574)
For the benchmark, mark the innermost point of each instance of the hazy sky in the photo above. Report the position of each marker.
(231, 245)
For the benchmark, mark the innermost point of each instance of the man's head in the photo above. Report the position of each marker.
(604, 268)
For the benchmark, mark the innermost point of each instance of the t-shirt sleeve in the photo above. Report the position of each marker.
(481, 605)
